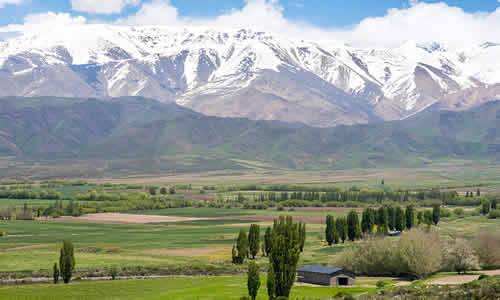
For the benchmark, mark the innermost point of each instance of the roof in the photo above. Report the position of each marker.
(320, 269)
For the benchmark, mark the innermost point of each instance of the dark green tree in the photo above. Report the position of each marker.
(382, 219)
(284, 255)
(353, 227)
(494, 203)
(302, 232)
(366, 227)
(163, 190)
(391, 213)
(152, 190)
(428, 217)
(478, 192)
(330, 230)
(436, 213)
(341, 225)
(420, 218)
(253, 280)
(485, 206)
(254, 240)
(171, 190)
(235, 258)
(55, 273)
(267, 241)
(400, 219)
(242, 245)
(271, 283)
(67, 261)
(410, 217)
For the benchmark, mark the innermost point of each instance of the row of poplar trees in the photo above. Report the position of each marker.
(249, 246)
(283, 244)
(343, 228)
(379, 220)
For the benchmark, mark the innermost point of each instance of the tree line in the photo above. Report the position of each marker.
(249, 246)
(381, 221)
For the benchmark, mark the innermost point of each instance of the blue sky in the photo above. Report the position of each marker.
(323, 13)
(372, 23)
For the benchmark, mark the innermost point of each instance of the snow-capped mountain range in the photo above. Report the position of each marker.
(248, 73)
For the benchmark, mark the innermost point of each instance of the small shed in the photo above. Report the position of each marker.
(327, 276)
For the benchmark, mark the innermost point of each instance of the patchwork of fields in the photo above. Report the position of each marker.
(193, 241)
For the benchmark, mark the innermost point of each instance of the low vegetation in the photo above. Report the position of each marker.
(417, 254)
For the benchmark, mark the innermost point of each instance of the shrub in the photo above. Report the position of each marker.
(2, 233)
(417, 254)
(487, 248)
(381, 284)
(113, 272)
(460, 257)
(420, 253)
(459, 212)
(494, 214)
(445, 213)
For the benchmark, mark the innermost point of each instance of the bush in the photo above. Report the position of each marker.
(459, 212)
(460, 257)
(445, 213)
(417, 254)
(113, 272)
(487, 248)
(494, 214)
(381, 284)
(2, 233)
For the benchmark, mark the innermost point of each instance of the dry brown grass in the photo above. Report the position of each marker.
(116, 218)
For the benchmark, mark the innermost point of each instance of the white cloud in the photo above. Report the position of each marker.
(421, 22)
(102, 6)
(424, 22)
(44, 20)
(157, 12)
(15, 2)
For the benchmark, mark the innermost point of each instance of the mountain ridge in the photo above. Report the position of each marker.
(247, 73)
(146, 132)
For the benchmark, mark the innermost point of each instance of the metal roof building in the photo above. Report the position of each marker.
(322, 275)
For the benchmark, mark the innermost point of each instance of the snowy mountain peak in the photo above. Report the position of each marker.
(214, 70)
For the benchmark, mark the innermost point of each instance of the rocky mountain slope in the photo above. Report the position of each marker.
(246, 73)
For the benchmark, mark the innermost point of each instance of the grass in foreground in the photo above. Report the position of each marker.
(160, 289)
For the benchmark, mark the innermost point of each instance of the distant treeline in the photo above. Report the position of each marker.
(29, 194)
(354, 197)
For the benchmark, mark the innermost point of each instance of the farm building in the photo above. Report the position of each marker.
(321, 275)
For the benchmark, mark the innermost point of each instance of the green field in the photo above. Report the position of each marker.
(33, 246)
(232, 287)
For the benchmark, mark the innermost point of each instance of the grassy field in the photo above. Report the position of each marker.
(32, 246)
(161, 289)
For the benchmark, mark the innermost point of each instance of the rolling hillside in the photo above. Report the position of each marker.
(148, 133)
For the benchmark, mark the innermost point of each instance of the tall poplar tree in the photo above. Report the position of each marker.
(353, 227)
(254, 240)
(284, 256)
(67, 261)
